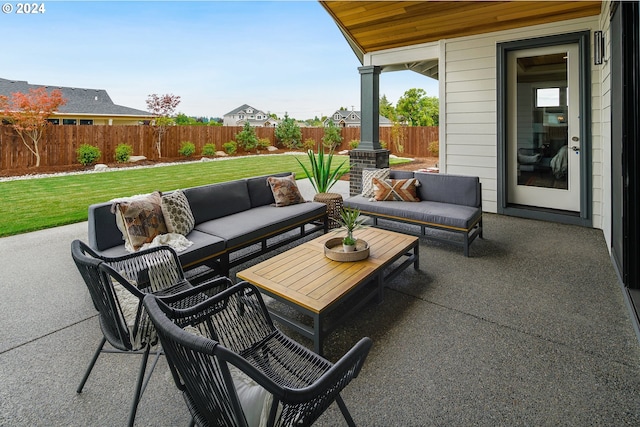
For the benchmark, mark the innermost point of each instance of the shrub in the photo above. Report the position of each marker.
(353, 144)
(383, 145)
(209, 149)
(309, 144)
(247, 138)
(187, 149)
(263, 143)
(87, 154)
(332, 136)
(434, 148)
(123, 153)
(230, 147)
(288, 133)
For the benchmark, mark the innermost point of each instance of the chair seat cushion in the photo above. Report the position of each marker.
(254, 399)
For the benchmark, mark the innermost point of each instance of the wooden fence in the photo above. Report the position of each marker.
(59, 144)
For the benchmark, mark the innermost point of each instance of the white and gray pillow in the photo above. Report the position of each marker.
(368, 189)
(177, 213)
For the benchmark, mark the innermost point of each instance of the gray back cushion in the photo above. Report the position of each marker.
(217, 200)
(456, 189)
(400, 174)
(103, 230)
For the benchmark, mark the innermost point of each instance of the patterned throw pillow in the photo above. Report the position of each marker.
(402, 190)
(141, 219)
(177, 213)
(367, 183)
(285, 190)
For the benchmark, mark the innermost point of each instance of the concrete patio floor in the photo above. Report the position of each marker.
(532, 329)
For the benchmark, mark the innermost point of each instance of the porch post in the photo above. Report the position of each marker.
(370, 106)
(369, 153)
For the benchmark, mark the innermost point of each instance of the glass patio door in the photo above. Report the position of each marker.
(543, 128)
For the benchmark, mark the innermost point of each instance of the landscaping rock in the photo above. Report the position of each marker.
(221, 154)
(272, 148)
(100, 167)
(134, 159)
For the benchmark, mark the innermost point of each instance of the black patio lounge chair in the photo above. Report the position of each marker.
(117, 287)
(236, 369)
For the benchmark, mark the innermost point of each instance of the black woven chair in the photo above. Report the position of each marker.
(206, 345)
(117, 287)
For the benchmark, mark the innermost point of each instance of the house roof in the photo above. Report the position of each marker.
(345, 116)
(92, 102)
(243, 107)
(371, 26)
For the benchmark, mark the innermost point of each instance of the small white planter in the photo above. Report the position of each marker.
(348, 248)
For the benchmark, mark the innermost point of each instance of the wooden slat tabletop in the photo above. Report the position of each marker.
(304, 276)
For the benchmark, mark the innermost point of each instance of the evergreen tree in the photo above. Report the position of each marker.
(288, 133)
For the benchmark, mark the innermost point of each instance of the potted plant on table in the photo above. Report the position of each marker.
(350, 220)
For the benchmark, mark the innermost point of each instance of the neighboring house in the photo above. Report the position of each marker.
(83, 106)
(351, 119)
(246, 113)
(541, 102)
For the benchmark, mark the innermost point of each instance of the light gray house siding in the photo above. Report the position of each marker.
(467, 74)
(470, 119)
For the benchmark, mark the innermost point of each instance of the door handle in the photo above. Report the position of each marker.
(575, 148)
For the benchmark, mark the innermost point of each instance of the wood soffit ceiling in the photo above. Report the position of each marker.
(370, 26)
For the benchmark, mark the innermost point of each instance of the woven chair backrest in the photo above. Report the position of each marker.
(102, 295)
(151, 270)
(237, 319)
(206, 380)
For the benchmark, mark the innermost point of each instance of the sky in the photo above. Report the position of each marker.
(277, 56)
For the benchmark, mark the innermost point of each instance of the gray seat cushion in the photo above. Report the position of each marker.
(245, 227)
(436, 213)
(204, 246)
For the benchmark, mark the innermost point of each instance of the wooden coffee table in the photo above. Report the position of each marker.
(305, 280)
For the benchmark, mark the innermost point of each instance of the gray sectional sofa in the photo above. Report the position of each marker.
(234, 222)
(452, 203)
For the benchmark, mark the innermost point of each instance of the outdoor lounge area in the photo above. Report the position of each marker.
(516, 334)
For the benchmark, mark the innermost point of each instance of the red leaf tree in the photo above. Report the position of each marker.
(27, 114)
(163, 107)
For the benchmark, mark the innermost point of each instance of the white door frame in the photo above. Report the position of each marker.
(504, 206)
(544, 197)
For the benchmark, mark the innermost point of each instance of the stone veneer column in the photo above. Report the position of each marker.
(364, 159)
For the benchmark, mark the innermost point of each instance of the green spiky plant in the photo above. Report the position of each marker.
(350, 220)
(320, 174)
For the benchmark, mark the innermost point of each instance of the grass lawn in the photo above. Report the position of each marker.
(39, 203)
